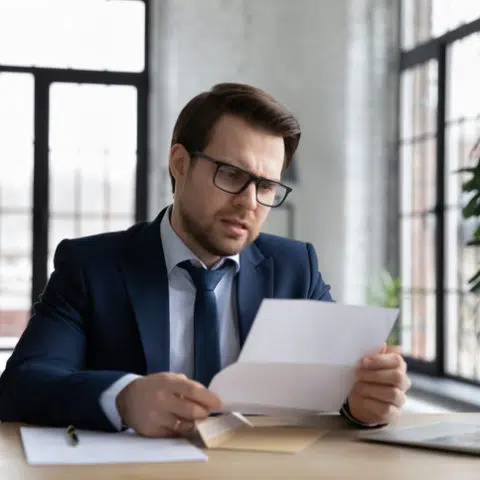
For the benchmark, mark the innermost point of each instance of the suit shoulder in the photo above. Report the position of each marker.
(277, 246)
(103, 244)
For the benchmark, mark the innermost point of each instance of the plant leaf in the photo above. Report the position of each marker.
(473, 207)
(474, 278)
(471, 185)
(476, 288)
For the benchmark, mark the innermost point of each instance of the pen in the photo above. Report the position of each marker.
(72, 436)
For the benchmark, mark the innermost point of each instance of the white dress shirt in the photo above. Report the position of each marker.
(181, 293)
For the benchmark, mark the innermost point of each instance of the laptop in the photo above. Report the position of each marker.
(449, 436)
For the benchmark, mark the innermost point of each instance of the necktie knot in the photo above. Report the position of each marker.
(203, 279)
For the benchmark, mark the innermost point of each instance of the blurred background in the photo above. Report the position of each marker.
(388, 96)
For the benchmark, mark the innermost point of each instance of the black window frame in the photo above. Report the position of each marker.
(436, 49)
(44, 77)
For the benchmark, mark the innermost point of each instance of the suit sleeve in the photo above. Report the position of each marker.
(46, 381)
(319, 290)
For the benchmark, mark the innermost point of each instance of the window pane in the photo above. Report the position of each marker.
(418, 325)
(419, 90)
(462, 261)
(93, 119)
(418, 273)
(92, 225)
(463, 335)
(16, 141)
(460, 140)
(64, 183)
(418, 176)
(60, 228)
(16, 168)
(119, 222)
(92, 138)
(15, 272)
(95, 34)
(423, 252)
(406, 253)
(424, 19)
(462, 307)
(463, 100)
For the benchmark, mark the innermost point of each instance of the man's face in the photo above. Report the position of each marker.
(214, 223)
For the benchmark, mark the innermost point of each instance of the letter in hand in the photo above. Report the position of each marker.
(380, 387)
(165, 404)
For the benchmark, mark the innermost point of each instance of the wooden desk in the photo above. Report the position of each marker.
(336, 455)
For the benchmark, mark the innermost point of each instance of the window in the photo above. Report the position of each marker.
(462, 129)
(92, 152)
(80, 34)
(73, 80)
(426, 19)
(440, 123)
(418, 220)
(16, 188)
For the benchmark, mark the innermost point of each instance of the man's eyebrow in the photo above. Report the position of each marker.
(242, 166)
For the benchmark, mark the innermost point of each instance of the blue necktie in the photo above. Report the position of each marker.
(205, 321)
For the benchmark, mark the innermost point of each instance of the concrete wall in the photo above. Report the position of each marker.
(301, 52)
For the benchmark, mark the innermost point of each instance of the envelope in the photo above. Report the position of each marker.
(300, 357)
(235, 432)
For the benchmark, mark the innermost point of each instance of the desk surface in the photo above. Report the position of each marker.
(336, 455)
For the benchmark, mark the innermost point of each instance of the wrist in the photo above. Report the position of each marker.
(352, 409)
(122, 402)
(357, 420)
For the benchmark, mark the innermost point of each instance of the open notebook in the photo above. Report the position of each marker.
(50, 446)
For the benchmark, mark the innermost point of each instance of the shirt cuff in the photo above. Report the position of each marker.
(345, 411)
(109, 396)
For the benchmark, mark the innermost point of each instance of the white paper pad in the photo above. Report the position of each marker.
(301, 355)
(49, 446)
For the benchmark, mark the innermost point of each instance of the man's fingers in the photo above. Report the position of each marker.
(194, 391)
(394, 378)
(382, 393)
(378, 412)
(178, 425)
(383, 361)
(185, 408)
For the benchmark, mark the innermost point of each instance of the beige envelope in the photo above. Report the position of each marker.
(235, 432)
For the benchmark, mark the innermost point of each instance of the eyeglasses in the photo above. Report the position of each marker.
(234, 180)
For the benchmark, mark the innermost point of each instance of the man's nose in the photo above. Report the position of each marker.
(248, 198)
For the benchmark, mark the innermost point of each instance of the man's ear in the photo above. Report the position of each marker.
(178, 162)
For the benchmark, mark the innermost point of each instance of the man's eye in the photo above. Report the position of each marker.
(233, 174)
(267, 186)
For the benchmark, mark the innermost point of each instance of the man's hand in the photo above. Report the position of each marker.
(380, 388)
(165, 404)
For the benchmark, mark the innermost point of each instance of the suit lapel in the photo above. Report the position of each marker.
(147, 284)
(255, 282)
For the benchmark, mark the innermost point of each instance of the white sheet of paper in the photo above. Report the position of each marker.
(300, 356)
(49, 446)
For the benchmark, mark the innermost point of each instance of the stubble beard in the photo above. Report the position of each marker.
(204, 237)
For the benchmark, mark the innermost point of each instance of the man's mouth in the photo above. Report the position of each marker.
(235, 226)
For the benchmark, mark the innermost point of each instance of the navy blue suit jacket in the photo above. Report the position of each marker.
(104, 313)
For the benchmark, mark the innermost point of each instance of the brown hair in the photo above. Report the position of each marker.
(194, 125)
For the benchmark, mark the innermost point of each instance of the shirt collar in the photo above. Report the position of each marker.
(175, 251)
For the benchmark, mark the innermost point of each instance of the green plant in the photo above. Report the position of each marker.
(385, 292)
(472, 208)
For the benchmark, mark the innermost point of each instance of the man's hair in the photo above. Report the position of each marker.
(194, 126)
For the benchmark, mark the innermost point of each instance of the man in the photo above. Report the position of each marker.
(127, 332)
